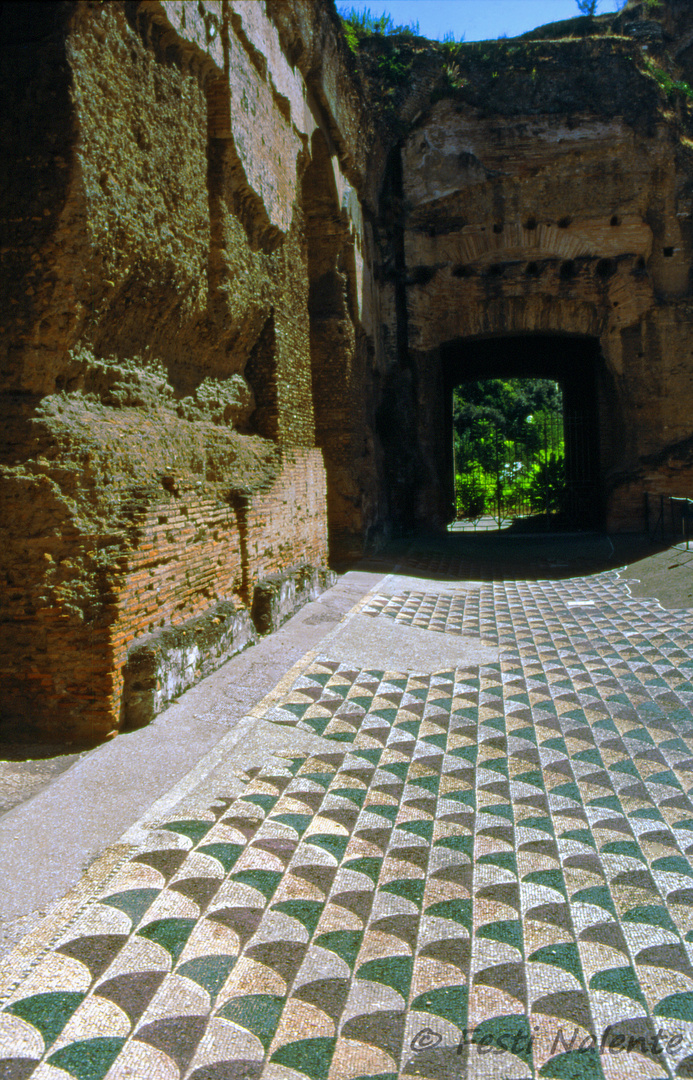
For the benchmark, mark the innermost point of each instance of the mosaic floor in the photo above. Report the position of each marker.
(488, 872)
(444, 612)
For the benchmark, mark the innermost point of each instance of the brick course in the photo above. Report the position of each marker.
(195, 551)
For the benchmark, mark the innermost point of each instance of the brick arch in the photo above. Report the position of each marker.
(543, 241)
(530, 297)
(514, 315)
(555, 316)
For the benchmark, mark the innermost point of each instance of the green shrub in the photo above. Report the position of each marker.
(547, 487)
(669, 85)
(360, 25)
(470, 495)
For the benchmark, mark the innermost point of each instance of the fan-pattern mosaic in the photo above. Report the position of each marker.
(487, 873)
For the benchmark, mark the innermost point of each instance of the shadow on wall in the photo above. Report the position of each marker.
(336, 360)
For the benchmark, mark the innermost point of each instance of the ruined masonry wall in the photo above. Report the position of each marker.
(156, 382)
(238, 260)
(567, 217)
(194, 551)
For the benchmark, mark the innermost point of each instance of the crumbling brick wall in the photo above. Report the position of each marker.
(156, 362)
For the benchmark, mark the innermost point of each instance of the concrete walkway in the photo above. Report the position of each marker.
(454, 839)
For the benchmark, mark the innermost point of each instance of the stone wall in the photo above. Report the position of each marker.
(158, 377)
(543, 188)
(244, 267)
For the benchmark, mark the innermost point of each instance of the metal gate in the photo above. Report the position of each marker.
(550, 477)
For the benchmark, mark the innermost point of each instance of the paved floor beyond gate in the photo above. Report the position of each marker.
(456, 842)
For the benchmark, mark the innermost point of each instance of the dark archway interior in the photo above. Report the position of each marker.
(576, 364)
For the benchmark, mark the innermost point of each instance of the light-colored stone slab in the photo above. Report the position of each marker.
(395, 584)
(381, 643)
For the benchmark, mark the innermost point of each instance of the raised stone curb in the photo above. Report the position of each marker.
(162, 665)
(277, 597)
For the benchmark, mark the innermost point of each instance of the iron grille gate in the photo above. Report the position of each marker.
(500, 479)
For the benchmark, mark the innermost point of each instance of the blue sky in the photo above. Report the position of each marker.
(477, 20)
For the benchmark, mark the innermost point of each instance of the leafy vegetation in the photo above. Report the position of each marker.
(670, 85)
(392, 56)
(589, 7)
(509, 449)
(512, 405)
(361, 25)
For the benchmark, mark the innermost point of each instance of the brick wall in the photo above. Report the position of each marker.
(195, 551)
(61, 668)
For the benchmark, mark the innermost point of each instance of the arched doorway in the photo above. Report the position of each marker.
(571, 361)
(591, 414)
